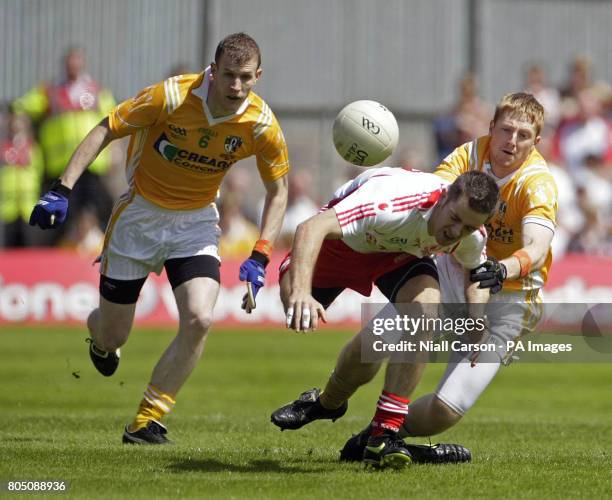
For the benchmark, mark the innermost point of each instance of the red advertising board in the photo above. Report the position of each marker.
(55, 286)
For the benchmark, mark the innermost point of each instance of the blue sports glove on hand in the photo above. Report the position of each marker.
(52, 208)
(253, 271)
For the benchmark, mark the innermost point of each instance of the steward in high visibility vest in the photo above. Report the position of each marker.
(67, 110)
(21, 170)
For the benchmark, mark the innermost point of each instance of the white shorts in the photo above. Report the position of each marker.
(141, 236)
(518, 314)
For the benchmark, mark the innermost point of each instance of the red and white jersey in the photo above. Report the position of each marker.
(387, 210)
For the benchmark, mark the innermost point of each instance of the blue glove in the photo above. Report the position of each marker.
(52, 208)
(253, 271)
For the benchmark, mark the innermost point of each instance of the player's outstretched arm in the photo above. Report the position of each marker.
(253, 270)
(275, 205)
(98, 138)
(536, 243)
(52, 208)
(477, 298)
(303, 311)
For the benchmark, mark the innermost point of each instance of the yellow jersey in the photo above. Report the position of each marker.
(179, 153)
(527, 195)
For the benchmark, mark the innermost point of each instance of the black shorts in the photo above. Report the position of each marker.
(389, 284)
(178, 270)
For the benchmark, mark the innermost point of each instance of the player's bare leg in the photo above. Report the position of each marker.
(110, 324)
(383, 447)
(307, 407)
(429, 415)
(460, 387)
(402, 378)
(109, 328)
(195, 300)
(349, 374)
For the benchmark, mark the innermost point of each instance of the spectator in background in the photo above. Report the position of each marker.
(587, 133)
(411, 158)
(468, 118)
(570, 218)
(536, 84)
(579, 80)
(300, 206)
(67, 110)
(595, 237)
(595, 200)
(242, 186)
(85, 236)
(21, 169)
(602, 91)
(238, 234)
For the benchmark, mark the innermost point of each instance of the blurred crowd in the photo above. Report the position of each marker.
(40, 130)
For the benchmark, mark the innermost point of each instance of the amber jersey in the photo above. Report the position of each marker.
(528, 195)
(179, 153)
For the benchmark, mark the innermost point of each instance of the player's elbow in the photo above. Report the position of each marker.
(304, 230)
(538, 256)
(103, 129)
(278, 190)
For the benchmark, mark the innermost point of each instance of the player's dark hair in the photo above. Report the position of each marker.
(239, 47)
(480, 188)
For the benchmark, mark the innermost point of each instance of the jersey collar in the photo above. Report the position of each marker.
(500, 181)
(202, 93)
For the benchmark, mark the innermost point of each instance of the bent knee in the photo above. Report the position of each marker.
(428, 416)
(446, 411)
(199, 324)
(109, 333)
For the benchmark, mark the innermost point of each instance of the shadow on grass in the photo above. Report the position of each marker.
(254, 466)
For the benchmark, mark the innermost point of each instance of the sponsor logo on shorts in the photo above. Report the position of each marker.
(189, 160)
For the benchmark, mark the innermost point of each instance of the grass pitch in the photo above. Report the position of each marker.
(540, 431)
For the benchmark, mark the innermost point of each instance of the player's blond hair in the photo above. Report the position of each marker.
(523, 106)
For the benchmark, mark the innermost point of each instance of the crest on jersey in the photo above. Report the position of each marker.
(232, 143)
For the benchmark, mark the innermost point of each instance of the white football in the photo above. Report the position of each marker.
(365, 133)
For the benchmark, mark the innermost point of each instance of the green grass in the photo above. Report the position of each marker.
(540, 431)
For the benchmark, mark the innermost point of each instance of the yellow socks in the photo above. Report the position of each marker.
(154, 405)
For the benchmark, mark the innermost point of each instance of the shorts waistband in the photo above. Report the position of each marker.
(149, 205)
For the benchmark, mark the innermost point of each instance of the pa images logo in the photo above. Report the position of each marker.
(232, 143)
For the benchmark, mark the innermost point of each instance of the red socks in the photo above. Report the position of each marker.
(391, 411)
